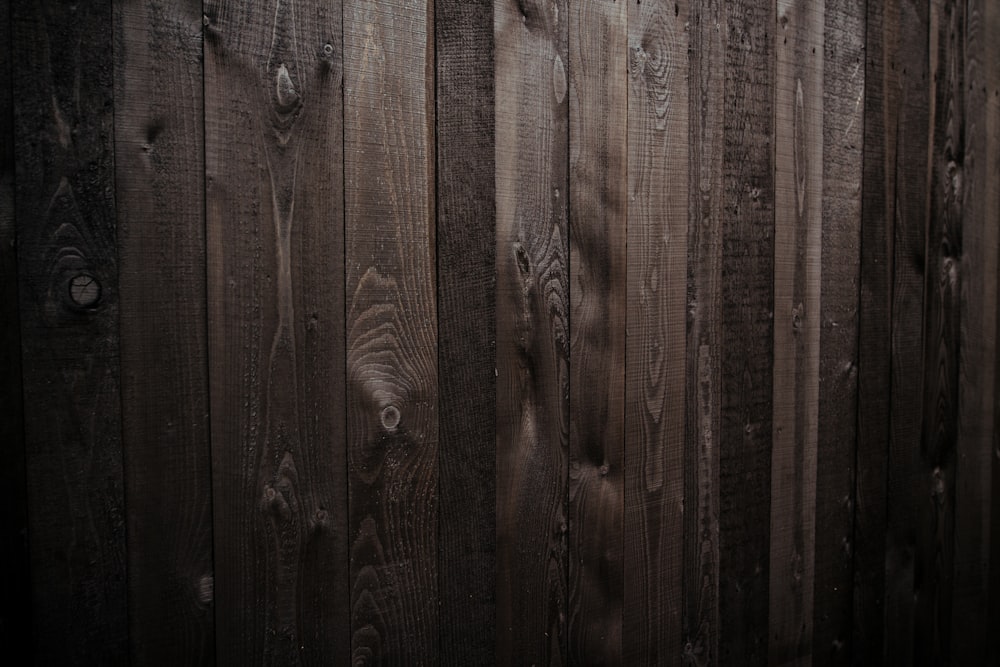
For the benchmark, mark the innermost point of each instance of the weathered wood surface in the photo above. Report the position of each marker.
(392, 375)
(275, 251)
(160, 170)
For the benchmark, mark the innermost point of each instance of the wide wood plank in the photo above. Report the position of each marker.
(68, 296)
(532, 134)
(598, 95)
(15, 624)
(466, 247)
(843, 140)
(979, 169)
(746, 336)
(159, 162)
(657, 285)
(701, 541)
(392, 389)
(276, 330)
(798, 235)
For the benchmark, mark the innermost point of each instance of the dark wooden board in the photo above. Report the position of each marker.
(273, 144)
(598, 157)
(466, 247)
(701, 541)
(657, 287)
(798, 236)
(67, 261)
(159, 162)
(843, 141)
(392, 388)
(532, 156)
(747, 334)
(15, 624)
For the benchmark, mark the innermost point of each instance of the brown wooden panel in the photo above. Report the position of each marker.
(276, 330)
(701, 541)
(466, 247)
(843, 137)
(798, 236)
(68, 298)
(657, 284)
(746, 334)
(159, 162)
(598, 94)
(532, 135)
(391, 330)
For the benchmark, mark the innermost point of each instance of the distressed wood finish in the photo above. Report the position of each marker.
(701, 621)
(837, 432)
(746, 334)
(532, 130)
(161, 242)
(276, 330)
(466, 233)
(392, 374)
(798, 189)
(69, 330)
(654, 392)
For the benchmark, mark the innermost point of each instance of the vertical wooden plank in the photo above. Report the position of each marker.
(276, 338)
(709, 36)
(979, 177)
(990, 163)
(843, 139)
(907, 488)
(466, 247)
(532, 330)
(746, 337)
(656, 291)
(598, 32)
(392, 330)
(934, 567)
(159, 161)
(15, 621)
(798, 231)
(878, 212)
(69, 330)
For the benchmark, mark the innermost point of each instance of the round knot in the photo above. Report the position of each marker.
(390, 417)
(84, 290)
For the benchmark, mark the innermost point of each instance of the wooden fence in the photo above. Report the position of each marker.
(529, 332)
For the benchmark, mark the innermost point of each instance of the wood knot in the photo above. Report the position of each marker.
(288, 97)
(604, 470)
(558, 79)
(390, 418)
(84, 290)
(205, 589)
(328, 49)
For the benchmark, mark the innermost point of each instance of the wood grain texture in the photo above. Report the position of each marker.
(391, 331)
(656, 281)
(276, 330)
(979, 174)
(747, 334)
(466, 246)
(69, 330)
(159, 163)
(843, 141)
(798, 236)
(532, 134)
(15, 623)
(598, 102)
(907, 487)
(706, 132)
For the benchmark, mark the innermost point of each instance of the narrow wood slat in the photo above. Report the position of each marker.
(709, 32)
(598, 94)
(657, 285)
(466, 233)
(392, 388)
(747, 334)
(532, 135)
(798, 236)
(159, 162)
(68, 294)
(276, 338)
(843, 140)
(15, 624)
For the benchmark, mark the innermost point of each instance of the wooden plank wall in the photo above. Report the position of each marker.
(515, 332)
